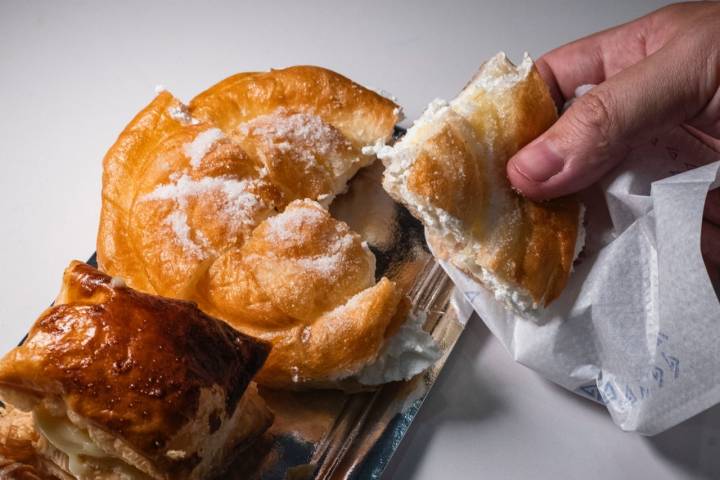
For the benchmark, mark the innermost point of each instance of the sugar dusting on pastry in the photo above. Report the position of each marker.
(182, 115)
(286, 227)
(178, 222)
(201, 145)
(301, 129)
(289, 227)
(240, 207)
(329, 263)
(176, 454)
(304, 135)
(306, 334)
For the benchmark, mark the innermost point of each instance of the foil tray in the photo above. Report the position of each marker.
(331, 435)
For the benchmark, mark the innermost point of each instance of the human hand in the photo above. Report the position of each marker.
(652, 74)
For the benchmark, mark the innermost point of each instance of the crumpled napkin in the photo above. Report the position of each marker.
(638, 326)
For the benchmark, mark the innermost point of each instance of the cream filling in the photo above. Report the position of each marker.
(407, 353)
(84, 456)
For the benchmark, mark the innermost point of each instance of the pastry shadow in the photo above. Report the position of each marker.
(475, 405)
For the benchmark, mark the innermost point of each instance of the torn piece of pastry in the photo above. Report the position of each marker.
(191, 194)
(305, 282)
(449, 170)
(125, 385)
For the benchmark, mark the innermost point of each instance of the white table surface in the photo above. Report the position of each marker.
(72, 74)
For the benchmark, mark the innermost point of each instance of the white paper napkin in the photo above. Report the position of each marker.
(638, 326)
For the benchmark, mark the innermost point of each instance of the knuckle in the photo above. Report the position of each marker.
(594, 119)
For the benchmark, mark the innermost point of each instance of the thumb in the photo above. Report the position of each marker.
(655, 94)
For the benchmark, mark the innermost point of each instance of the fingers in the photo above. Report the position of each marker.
(712, 207)
(710, 238)
(710, 244)
(712, 142)
(593, 59)
(595, 133)
(714, 274)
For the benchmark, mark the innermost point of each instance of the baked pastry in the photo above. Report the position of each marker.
(306, 283)
(127, 385)
(449, 170)
(18, 440)
(242, 151)
(192, 196)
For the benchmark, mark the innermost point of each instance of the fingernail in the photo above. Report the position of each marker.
(538, 162)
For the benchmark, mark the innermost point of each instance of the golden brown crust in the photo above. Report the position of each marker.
(338, 343)
(459, 188)
(131, 364)
(293, 145)
(125, 160)
(457, 168)
(304, 282)
(307, 262)
(360, 114)
(184, 191)
(219, 202)
(550, 249)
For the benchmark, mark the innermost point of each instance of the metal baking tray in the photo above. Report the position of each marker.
(331, 435)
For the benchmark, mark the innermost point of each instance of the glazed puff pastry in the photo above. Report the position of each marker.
(449, 170)
(192, 194)
(125, 385)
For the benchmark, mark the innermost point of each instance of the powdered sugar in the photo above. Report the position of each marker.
(178, 223)
(352, 304)
(237, 205)
(292, 226)
(295, 374)
(306, 335)
(182, 115)
(374, 149)
(328, 264)
(306, 135)
(198, 148)
(289, 225)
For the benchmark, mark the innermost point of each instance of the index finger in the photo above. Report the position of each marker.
(593, 59)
